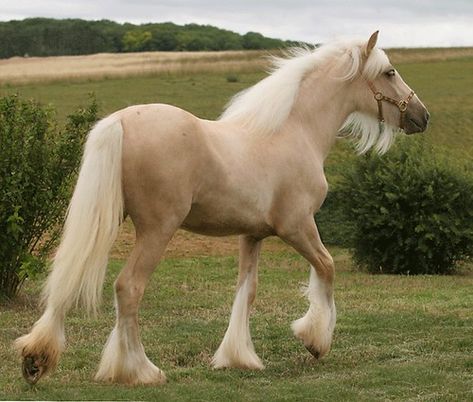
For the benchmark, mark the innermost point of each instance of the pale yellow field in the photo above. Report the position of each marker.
(428, 54)
(18, 70)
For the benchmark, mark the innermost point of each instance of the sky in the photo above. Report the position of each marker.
(402, 23)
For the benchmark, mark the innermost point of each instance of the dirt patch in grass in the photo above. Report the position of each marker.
(186, 244)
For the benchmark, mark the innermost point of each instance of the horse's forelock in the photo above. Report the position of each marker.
(352, 62)
(376, 64)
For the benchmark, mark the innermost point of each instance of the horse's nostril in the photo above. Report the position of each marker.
(427, 116)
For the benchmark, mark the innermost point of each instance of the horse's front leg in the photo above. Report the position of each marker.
(315, 328)
(236, 349)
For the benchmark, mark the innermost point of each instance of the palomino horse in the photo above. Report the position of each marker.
(258, 171)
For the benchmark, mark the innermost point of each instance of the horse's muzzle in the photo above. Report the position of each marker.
(415, 123)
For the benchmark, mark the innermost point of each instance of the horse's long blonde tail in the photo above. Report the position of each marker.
(92, 223)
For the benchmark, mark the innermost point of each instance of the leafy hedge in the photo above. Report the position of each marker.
(409, 211)
(38, 162)
(332, 222)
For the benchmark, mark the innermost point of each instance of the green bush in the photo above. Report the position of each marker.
(331, 221)
(411, 210)
(38, 162)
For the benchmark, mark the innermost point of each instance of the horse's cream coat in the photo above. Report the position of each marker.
(256, 172)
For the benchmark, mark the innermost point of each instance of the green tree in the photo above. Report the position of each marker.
(51, 37)
(136, 41)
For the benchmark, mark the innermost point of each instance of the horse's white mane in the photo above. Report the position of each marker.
(264, 107)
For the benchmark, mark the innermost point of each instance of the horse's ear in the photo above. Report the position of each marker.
(371, 43)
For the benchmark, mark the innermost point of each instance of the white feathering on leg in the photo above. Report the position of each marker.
(236, 349)
(315, 329)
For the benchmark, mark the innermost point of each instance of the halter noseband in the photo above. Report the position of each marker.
(401, 105)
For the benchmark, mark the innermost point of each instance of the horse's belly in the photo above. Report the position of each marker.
(225, 221)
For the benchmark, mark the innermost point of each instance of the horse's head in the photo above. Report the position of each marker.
(384, 94)
(383, 103)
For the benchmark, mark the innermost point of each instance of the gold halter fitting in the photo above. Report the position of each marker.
(401, 105)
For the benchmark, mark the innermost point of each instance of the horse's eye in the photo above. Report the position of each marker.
(391, 73)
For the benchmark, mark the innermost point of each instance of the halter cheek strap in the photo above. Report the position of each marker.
(401, 105)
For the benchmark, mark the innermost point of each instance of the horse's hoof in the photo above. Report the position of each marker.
(313, 351)
(32, 369)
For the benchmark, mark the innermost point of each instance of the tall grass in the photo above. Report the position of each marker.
(19, 70)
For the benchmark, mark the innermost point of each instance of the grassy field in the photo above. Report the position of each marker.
(397, 338)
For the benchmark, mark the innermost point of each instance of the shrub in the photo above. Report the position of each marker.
(334, 228)
(411, 210)
(38, 162)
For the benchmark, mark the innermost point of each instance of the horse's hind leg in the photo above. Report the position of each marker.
(124, 359)
(236, 349)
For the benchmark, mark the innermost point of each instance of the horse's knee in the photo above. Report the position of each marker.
(325, 266)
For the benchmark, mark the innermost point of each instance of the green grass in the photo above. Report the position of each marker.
(397, 338)
(203, 94)
(447, 90)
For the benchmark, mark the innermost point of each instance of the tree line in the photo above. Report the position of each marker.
(52, 37)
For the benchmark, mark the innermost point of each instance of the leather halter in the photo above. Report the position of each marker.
(401, 105)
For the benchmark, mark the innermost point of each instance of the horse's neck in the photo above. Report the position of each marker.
(318, 113)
